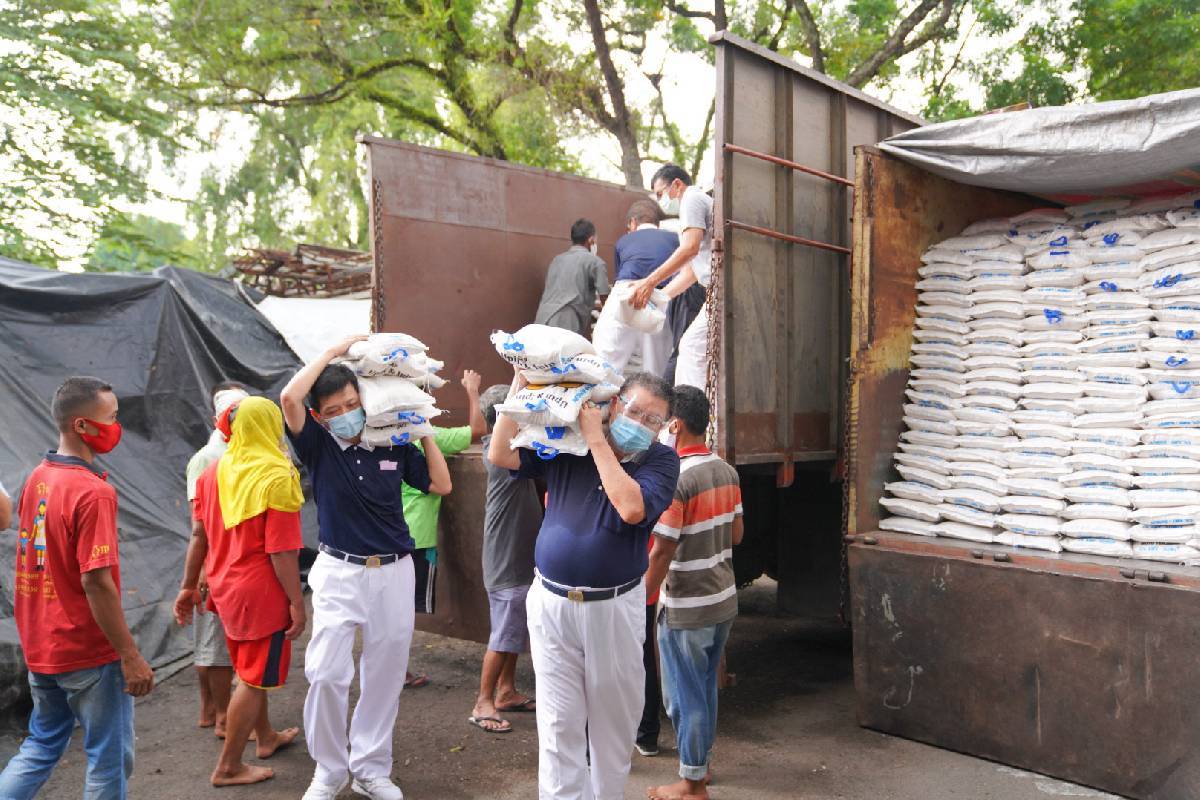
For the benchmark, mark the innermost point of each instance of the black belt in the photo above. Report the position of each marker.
(362, 561)
(588, 595)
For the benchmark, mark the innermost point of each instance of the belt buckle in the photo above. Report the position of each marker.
(575, 594)
(373, 561)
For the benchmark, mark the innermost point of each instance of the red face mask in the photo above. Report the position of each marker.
(104, 441)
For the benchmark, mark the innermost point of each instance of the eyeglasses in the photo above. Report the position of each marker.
(649, 420)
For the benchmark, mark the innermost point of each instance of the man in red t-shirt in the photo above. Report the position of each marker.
(83, 664)
(248, 540)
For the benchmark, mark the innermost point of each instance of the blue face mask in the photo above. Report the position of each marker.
(630, 437)
(348, 425)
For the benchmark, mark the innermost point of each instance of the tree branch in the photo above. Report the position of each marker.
(622, 121)
(897, 43)
(812, 34)
(702, 145)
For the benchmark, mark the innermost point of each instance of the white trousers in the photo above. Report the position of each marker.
(590, 690)
(346, 597)
(616, 342)
(692, 367)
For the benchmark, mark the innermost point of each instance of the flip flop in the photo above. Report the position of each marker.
(478, 723)
(416, 682)
(528, 705)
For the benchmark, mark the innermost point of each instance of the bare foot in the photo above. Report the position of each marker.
(681, 790)
(277, 742)
(206, 720)
(485, 717)
(243, 775)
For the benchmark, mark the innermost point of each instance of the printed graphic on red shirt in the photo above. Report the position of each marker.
(67, 526)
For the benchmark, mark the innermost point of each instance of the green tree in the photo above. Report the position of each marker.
(135, 243)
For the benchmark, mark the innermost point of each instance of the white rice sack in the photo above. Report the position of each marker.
(1169, 238)
(1053, 319)
(1176, 309)
(1138, 223)
(1058, 337)
(578, 369)
(1041, 471)
(910, 490)
(936, 349)
(1168, 277)
(912, 509)
(918, 424)
(929, 400)
(999, 225)
(1178, 438)
(962, 242)
(1036, 404)
(972, 498)
(999, 388)
(946, 299)
(1096, 511)
(550, 441)
(1024, 504)
(1170, 553)
(940, 386)
(1050, 350)
(1184, 217)
(1053, 391)
(1037, 431)
(906, 525)
(952, 313)
(1163, 498)
(1089, 545)
(391, 354)
(1167, 516)
(1165, 535)
(1178, 481)
(1108, 296)
(540, 347)
(1109, 318)
(941, 337)
(1172, 421)
(1183, 362)
(937, 464)
(925, 476)
(1183, 332)
(936, 324)
(1062, 419)
(1116, 253)
(994, 373)
(1025, 463)
(998, 311)
(385, 393)
(1174, 405)
(1040, 446)
(1038, 236)
(923, 450)
(928, 412)
(1174, 285)
(1115, 391)
(989, 429)
(1097, 477)
(997, 281)
(1113, 437)
(990, 350)
(1047, 543)
(996, 336)
(648, 319)
(997, 443)
(1159, 204)
(1116, 271)
(987, 416)
(1045, 375)
(974, 482)
(962, 272)
(943, 283)
(1094, 461)
(992, 401)
(1105, 495)
(1164, 466)
(1166, 450)
(986, 296)
(1040, 216)
(967, 516)
(1034, 487)
(1054, 297)
(971, 533)
(1098, 209)
(1059, 256)
(1099, 448)
(1128, 419)
(1029, 524)
(997, 325)
(1061, 277)
(1124, 376)
(1113, 341)
(396, 434)
(553, 405)
(995, 458)
(1096, 528)
(1107, 405)
(390, 419)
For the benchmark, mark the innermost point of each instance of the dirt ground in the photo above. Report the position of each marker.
(787, 730)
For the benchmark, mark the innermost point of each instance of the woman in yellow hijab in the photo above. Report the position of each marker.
(255, 473)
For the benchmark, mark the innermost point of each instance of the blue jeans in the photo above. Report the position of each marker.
(94, 697)
(691, 660)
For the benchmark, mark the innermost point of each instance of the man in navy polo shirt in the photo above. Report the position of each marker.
(586, 608)
(638, 253)
(363, 576)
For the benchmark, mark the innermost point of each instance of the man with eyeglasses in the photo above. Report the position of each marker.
(586, 607)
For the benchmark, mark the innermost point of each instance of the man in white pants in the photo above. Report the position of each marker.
(363, 576)
(586, 608)
(638, 253)
(689, 264)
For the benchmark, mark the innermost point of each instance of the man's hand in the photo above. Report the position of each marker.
(641, 293)
(591, 423)
(299, 621)
(341, 348)
(139, 678)
(471, 381)
(185, 603)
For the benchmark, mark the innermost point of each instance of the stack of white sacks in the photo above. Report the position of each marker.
(563, 372)
(1054, 392)
(394, 371)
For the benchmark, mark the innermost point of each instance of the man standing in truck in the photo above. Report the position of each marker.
(691, 263)
(573, 282)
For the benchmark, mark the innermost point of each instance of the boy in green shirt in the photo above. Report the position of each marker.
(421, 510)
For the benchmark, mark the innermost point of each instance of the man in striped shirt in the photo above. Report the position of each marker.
(693, 551)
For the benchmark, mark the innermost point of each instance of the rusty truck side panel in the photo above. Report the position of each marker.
(1079, 667)
(785, 303)
(461, 246)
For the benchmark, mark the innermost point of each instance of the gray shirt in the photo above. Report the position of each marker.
(511, 519)
(572, 283)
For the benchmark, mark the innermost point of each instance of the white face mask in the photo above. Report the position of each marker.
(668, 204)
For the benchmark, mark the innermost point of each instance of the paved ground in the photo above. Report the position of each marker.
(787, 731)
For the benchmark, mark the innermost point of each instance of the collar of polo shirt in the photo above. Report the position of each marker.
(346, 445)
